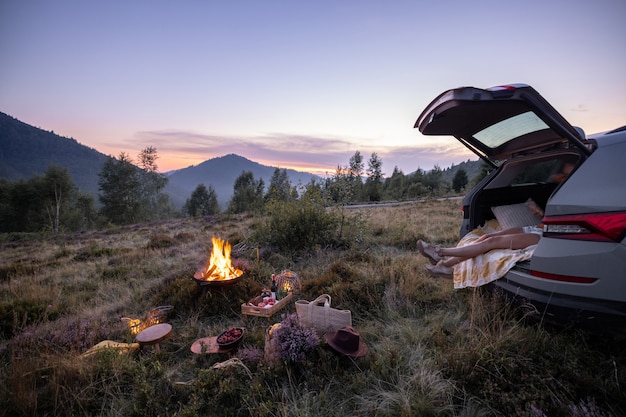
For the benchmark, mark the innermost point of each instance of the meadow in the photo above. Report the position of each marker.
(433, 350)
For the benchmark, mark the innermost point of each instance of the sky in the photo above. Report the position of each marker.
(298, 84)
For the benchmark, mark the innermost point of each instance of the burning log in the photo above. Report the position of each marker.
(219, 270)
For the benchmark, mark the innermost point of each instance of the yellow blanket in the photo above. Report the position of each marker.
(490, 266)
(121, 347)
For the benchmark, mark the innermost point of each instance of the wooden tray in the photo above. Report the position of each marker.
(252, 310)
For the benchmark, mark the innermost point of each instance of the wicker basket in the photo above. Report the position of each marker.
(288, 282)
(270, 352)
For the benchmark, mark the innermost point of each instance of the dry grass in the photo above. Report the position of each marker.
(433, 351)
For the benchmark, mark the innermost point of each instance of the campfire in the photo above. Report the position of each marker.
(219, 269)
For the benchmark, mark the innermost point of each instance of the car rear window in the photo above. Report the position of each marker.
(511, 128)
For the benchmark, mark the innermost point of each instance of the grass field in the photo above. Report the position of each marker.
(433, 351)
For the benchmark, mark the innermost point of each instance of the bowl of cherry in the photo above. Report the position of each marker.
(231, 337)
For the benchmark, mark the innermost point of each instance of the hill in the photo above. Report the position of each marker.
(221, 174)
(472, 169)
(26, 151)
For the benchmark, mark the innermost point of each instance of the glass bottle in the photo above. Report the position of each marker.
(273, 287)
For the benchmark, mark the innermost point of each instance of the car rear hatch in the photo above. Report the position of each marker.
(500, 123)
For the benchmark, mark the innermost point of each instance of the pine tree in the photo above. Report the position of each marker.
(247, 194)
(203, 202)
(374, 182)
(280, 187)
(460, 180)
(120, 188)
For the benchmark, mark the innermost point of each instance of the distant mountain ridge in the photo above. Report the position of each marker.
(221, 173)
(26, 151)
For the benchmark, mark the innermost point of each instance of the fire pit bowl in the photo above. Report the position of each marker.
(199, 278)
(231, 337)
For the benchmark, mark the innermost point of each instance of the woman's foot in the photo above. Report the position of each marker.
(429, 251)
(440, 269)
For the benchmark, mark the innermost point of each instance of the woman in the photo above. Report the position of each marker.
(443, 259)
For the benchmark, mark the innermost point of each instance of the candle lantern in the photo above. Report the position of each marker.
(286, 282)
(134, 325)
(155, 316)
(158, 315)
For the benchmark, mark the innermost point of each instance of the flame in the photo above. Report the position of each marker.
(220, 266)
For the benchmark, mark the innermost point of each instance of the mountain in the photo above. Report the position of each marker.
(26, 151)
(472, 169)
(221, 174)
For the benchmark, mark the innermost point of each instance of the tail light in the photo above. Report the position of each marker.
(466, 211)
(601, 227)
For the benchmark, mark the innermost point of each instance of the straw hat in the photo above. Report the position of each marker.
(347, 341)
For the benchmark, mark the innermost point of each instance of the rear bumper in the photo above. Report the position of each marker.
(598, 315)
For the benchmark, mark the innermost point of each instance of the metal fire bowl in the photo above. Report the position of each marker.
(215, 283)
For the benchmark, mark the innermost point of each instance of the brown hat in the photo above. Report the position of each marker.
(347, 341)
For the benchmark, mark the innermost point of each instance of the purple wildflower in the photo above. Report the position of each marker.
(294, 340)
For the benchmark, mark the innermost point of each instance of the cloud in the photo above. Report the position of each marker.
(306, 153)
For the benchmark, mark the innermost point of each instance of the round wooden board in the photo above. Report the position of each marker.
(207, 345)
(154, 334)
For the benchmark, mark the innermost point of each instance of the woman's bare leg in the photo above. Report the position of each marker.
(513, 241)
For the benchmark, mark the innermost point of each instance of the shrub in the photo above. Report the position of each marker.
(160, 242)
(297, 225)
(19, 314)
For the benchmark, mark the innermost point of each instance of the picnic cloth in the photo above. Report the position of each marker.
(490, 266)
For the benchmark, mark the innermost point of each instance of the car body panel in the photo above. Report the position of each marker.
(602, 261)
(607, 163)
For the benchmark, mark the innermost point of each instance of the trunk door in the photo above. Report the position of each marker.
(500, 123)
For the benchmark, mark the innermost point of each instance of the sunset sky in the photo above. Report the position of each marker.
(297, 84)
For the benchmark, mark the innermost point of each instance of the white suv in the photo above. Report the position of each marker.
(578, 270)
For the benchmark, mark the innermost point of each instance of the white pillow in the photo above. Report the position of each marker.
(516, 215)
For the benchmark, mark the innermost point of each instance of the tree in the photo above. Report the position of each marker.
(247, 194)
(47, 202)
(460, 180)
(484, 169)
(7, 214)
(280, 187)
(338, 186)
(120, 188)
(395, 187)
(130, 194)
(355, 174)
(84, 214)
(155, 204)
(147, 159)
(416, 187)
(374, 182)
(433, 179)
(56, 194)
(203, 202)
